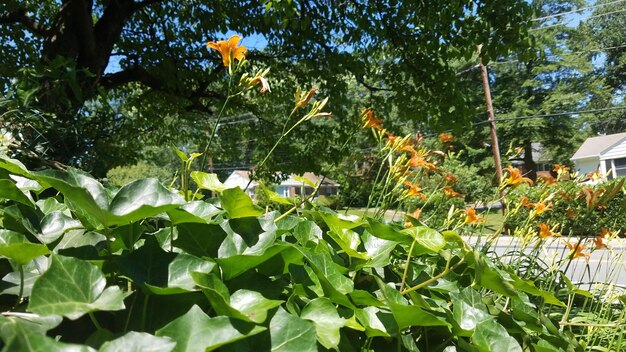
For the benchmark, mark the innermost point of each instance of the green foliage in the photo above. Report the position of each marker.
(574, 209)
(121, 175)
(143, 268)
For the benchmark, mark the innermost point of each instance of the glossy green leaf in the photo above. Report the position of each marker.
(468, 309)
(148, 264)
(243, 304)
(236, 265)
(427, 240)
(72, 287)
(530, 288)
(22, 338)
(10, 321)
(327, 321)
(208, 181)
(181, 268)
(82, 193)
(490, 336)
(290, 333)
(196, 211)
(55, 224)
(15, 246)
(377, 249)
(407, 315)
(139, 341)
(142, 199)
(386, 231)
(10, 191)
(377, 322)
(306, 231)
(201, 240)
(195, 331)
(238, 204)
(13, 166)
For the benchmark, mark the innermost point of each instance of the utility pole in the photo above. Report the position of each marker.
(495, 149)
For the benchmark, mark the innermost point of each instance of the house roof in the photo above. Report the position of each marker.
(245, 176)
(594, 146)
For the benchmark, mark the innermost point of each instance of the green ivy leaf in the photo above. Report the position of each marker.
(490, 336)
(201, 240)
(386, 231)
(15, 246)
(236, 265)
(10, 191)
(195, 331)
(238, 205)
(468, 309)
(83, 194)
(142, 199)
(55, 224)
(196, 211)
(25, 339)
(208, 181)
(138, 341)
(427, 240)
(13, 166)
(291, 334)
(327, 321)
(407, 315)
(72, 287)
(246, 305)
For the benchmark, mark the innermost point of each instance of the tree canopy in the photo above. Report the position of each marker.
(103, 77)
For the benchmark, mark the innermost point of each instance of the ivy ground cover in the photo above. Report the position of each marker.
(139, 268)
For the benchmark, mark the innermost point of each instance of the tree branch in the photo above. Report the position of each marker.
(20, 16)
(141, 4)
(133, 74)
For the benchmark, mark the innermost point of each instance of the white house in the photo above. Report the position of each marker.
(604, 153)
(289, 187)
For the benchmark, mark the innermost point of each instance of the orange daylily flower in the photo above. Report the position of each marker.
(599, 242)
(592, 197)
(545, 231)
(471, 217)
(265, 86)
(391, 139)
(371, 121)
(414, 190)
(448, 191)
(229, 49)
(548, 179)
(526, 203)
(446, 137)
(542, 208)
(450, 178)
(302, 101)
(560, 168)
(577, 250)
(515, 177)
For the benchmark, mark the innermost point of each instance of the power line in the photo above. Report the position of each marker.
(552, 115)
(575, 11)
(566, 53)
(588, 18)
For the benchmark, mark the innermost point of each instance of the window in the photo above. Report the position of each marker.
(619, 165)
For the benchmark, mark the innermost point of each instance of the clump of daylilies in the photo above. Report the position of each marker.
(406, 161)
(558, 203)
(234, 60)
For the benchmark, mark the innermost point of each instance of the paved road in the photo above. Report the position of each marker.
(604, 266)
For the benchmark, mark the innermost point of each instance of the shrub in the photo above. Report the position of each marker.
(121, 175)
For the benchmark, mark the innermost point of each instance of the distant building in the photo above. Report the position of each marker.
(604, 153)
(288, 188)
(541, 157)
